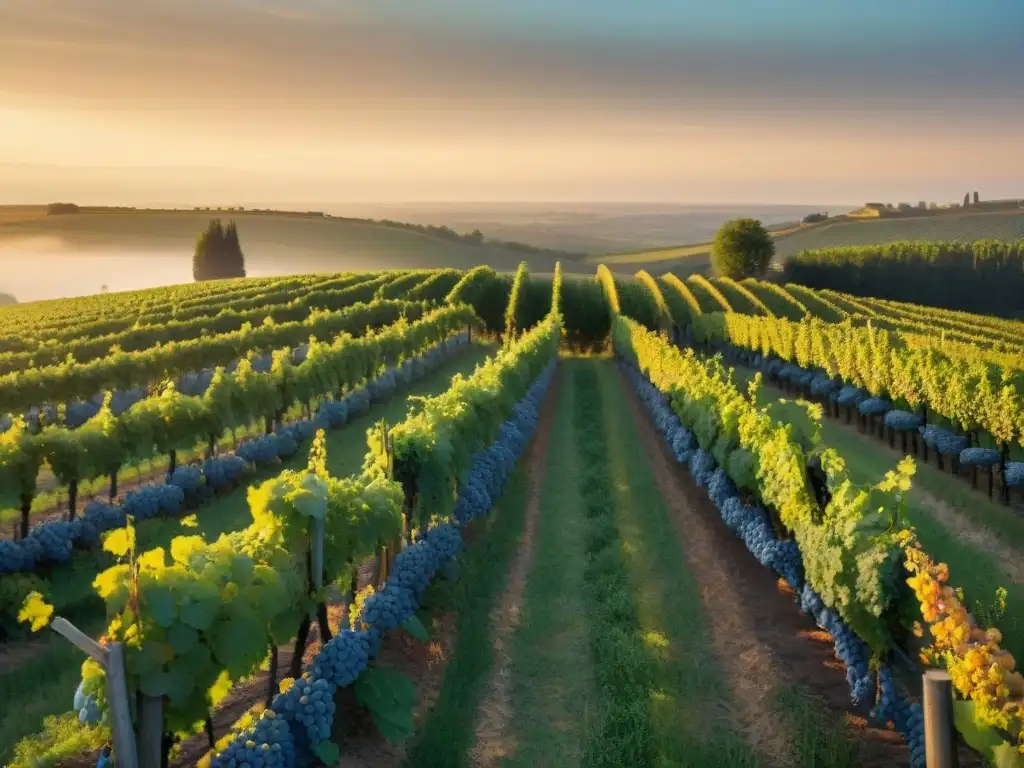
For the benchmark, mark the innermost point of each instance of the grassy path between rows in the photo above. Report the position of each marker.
(45, 683)
(981, 540)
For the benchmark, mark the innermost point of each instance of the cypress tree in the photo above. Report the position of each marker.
(218, 254)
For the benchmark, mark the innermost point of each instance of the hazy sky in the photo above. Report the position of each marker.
(259, 101)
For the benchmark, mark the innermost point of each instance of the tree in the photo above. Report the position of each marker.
(742, 248)
(967, 199)
(7, 298)
(975, 197)
(218, 253)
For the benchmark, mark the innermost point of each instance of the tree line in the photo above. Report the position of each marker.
(985, 276)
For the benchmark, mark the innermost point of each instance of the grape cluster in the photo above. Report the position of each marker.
(903, 421)
(942, 440)
(771, 366)
(334, 413)
(104, 759)
(751, 524)
(153, 501)
(823, 386)
(1014, 474)
(907, 717)
(357, 401)
(850, 396)
(343, 659)
(269, 743)
(873, 406)
(979, 457)
(261, 451)
(850, 649)
(446, 539)
(191, 480)
(381, 387)
(223, 471)
(702, 465)
(789, 372)
(87, 707)
(308, 706)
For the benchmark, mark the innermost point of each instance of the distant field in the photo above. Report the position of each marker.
(789, 240)
(955, 226)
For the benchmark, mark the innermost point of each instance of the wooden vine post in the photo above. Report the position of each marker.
(939, 732)
(111, 658)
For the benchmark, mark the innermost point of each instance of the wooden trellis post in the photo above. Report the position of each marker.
(939, 733)
(111, 658)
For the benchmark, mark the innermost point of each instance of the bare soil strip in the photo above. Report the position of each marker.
(494, 739)
(764, 639)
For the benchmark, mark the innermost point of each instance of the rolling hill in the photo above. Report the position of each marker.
(955, 225)
(271, 240)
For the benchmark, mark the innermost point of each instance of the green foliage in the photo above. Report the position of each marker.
(611, 293)
(775, 299)
(587, 319)
(664, 316)
(988, 275)
(683, 305)
(433, 447)
(740, 298)
(707, 295)
(218, 253)
(487, 292)
(955, 381)
(389, 696)
(62, 738)
(514, 310)
(852, 555)
(435, 288)
(742, 248)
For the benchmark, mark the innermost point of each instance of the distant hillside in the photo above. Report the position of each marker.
(958, 225)
(312, 241)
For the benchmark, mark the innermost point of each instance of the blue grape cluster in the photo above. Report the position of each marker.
(334, 413)
(357, 401)
(301, 717)
(153, 501)
(907, 717)
(680, 440)
(823, 386)
(903, 421)
(191, 480)
(261, 451)
(850, 396)
(223, 472)
(702, 467)
(789, 372)
(850, 649)
(979, 457)
(492, 466)
(771, 366)
(382, 386)
(308, 708)
(1013, 474)
(343, 659)
(752, 525)
(87, 707)
(269, 744)
(942, 440)
(873, 406)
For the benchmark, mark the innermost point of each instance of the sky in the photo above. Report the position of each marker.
(259, 102)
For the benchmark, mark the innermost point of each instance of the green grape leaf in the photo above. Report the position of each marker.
(182, 637)
(389, 696)
(156, 683)
(327, 752)
(36, 611)
(240, 640)
(201, 611)
(153, 560)
(159, 603)
(242, 569)
(415, 628)
(983, 738)
(180, 688)
(310, 499)
(183, 547)
(120, 542)
(142, 661)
